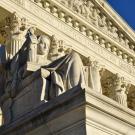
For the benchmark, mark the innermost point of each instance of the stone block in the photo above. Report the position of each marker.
(76, 112)
(32, 90)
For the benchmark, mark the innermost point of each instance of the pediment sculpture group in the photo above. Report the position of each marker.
(89, 10)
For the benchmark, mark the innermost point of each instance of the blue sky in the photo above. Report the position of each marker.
(126, 9)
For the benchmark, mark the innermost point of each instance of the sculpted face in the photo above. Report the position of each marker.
(43, 45)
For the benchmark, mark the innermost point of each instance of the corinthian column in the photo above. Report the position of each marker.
(94, 78)
(120, 87)
(15, 28)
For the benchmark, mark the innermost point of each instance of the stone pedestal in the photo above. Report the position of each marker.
(76, 112)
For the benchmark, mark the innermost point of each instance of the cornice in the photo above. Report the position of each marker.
(113, 16)
(123, 25)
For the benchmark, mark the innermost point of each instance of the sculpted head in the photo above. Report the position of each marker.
(89, 3)
(43, 45)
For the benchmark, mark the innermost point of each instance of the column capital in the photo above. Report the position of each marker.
(119, 87)
(120, 83)
(13, 33)
(92, 62)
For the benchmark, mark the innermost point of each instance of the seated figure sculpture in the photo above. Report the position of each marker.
(66, 72)
(63, 73)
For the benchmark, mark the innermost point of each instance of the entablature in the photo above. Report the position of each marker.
(105, 13)
(118, 44)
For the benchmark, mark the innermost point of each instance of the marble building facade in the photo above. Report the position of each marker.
(101, 102)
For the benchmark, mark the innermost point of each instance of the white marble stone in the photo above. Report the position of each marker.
(81, 27)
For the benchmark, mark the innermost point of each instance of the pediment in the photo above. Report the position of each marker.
(107, 21)
(103, 9)
(97, 20)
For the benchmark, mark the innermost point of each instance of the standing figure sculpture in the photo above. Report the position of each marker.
(95, 16)
(114, 32)
(88, 7)
(77, 6)
(102, 22)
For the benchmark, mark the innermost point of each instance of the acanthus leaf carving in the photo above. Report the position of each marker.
(117, 88)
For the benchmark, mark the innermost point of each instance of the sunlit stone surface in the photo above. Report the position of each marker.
(66, 68)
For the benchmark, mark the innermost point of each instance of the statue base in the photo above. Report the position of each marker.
(76, 112)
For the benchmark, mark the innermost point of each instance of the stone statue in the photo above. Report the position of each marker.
(95, 16)
(121, 38)
(64, 70)
(65, 74)
(43, 45)
(62, 74)
(88, 8)
(11, 75)
(109, 26)
(102, 22)
(32, 39)
(43, 48)
(77, 6)
(114, 31)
